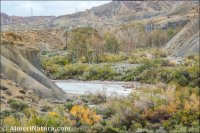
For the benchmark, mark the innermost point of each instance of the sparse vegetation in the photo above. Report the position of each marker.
(153, 68)
(17, 105)
(126, 46)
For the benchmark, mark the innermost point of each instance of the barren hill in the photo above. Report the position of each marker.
(104, 16)
(11, 20)
(19, 61)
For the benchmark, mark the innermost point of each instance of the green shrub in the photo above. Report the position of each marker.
(69, 105)
(38, 120)
(161, 70)
(73, 71)
(132, 74)
(6, 113)
(11, 101)
(53, 121)
(110, 129)
(44, 52)
(109, 58)
(171, 32)
(59, 60)
(17, 105)
(99, 73)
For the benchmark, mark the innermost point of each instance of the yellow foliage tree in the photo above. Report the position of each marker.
(85, 115)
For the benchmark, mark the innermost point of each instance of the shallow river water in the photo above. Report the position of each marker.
(108, 88)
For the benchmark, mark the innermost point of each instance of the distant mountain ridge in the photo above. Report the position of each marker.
(107, 15)
(6, 19)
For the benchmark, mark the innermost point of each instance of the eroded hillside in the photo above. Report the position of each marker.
(19, 61)
(186, 42)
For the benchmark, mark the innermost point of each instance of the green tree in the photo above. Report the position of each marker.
(84, 43)
(111, 43)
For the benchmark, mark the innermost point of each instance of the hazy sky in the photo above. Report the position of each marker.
(46, 8)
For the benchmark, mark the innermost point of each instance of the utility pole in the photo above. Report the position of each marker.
(31, 12)
(31, 17)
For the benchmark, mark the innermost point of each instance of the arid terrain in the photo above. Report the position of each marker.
(154, 43)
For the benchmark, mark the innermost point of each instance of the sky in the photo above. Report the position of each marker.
(46, 8)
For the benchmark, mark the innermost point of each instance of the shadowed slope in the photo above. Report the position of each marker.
(186, 42)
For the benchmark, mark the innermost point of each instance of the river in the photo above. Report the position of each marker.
(91, 87)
